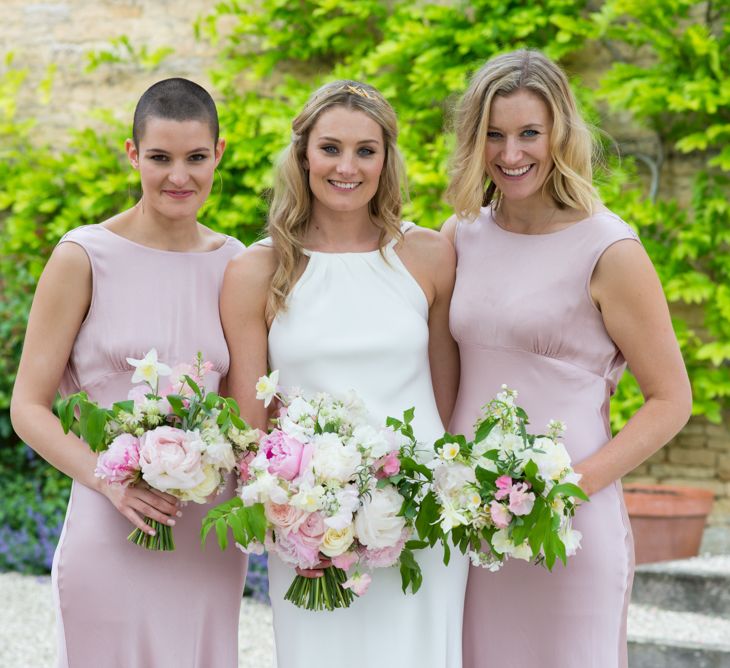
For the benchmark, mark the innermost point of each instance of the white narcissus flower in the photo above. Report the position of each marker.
(449, 451)
(148, 369)
(307, 498)
(451, 516)
(266, 387)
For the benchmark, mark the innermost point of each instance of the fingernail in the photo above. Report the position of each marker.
(152, 532)
(171, 522)
(178, 513)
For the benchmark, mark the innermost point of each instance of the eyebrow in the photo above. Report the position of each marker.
(529, 125)
(339, 141)
(203, 149)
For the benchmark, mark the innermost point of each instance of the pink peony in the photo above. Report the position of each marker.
(500, 515)
(504, 486)
(297, 549)
(385, 556)
(520, 500)
(286, 455)
(345, 561)
(170, 459)
(359, 583)
(388, 465)
(284, 517)
(120, 463)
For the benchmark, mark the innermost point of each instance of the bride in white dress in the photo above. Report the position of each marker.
(341, 296)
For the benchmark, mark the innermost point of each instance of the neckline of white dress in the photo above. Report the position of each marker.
(405, 226)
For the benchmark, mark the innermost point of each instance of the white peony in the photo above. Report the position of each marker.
(332, 459)
(377, 523)
(219, 453)
(453, 477)
(299, 408)
(552, 460)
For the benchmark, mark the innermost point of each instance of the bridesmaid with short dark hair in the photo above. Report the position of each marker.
(146, 278)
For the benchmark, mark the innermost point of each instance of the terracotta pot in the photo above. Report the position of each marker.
(667, 520)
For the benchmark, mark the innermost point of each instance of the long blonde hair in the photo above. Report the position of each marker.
(291, 205)
(572, 144)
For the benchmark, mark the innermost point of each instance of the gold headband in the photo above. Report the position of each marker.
(357, 90)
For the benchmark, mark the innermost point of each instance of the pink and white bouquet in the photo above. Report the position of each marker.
(505, 494)
(178, 439)
(318, 492)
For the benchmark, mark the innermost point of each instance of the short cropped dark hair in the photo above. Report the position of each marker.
(176, 99)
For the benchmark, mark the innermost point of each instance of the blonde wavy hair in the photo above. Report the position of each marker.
(291, 205)
(572, 143)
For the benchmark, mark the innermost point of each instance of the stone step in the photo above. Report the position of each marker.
(700, 584)
(666, 639)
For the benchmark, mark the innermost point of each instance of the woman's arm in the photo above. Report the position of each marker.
(243, 314)
(59, 307)
(628, 293)
(431, 259)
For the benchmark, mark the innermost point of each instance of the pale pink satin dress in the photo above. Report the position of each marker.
(118, 604)
(522, 315)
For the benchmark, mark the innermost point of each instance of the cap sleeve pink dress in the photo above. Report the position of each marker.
(120, 605)
(522, 315)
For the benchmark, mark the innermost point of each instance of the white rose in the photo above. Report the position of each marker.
(377, 523)
(336, 541)
(332, 460)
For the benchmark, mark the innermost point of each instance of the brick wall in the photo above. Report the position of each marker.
(64, 31)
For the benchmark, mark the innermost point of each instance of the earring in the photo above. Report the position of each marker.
(220, 180)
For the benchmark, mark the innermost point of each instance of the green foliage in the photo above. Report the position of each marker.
(670, 72)
(676, 82)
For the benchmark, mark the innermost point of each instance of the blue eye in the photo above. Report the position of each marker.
(530, 133)
(329, 149)
(493, 134)
(366, 151)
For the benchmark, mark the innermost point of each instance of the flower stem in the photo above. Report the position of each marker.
(162, 541)
(324, 593)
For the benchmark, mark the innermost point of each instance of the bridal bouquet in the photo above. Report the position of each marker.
(505, 494)
(179, 439)
(318, 492)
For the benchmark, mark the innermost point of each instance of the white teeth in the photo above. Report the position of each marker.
(515, 172)
(346, 186)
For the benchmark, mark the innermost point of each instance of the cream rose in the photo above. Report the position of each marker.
(209, 485)
(336, 541)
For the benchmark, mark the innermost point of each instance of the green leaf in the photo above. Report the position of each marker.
(567, 489)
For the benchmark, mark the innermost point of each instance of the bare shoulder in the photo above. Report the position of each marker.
(428, 246)
(69, 263)
(448, 229)
(624, 271)
(254, 266)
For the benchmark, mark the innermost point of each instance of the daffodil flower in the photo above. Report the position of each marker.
(266, 387)
(148, 369)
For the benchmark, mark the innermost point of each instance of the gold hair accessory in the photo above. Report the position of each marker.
(357, 90)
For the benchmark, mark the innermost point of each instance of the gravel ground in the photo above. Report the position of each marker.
(704, 565)
(649, 623)
(27, 626)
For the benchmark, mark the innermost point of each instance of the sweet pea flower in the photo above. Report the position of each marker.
(359, 583)
(345, 561)
(500, 515)
(504, 486)
(387, 466)
(449, 451)
(520, 500)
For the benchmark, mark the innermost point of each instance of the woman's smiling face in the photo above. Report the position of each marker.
(345, 157)
(518, 157)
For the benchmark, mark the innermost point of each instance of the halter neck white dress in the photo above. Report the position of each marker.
(360, 321)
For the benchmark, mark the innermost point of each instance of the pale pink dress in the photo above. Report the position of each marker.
(118, 604)
(522, 315)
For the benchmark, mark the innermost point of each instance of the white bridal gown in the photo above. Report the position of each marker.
(356, 321)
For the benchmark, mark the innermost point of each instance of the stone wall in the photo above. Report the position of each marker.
(65, 31)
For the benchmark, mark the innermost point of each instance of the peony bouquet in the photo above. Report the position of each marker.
(320, 492)
(505, 494)
(177, 439)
